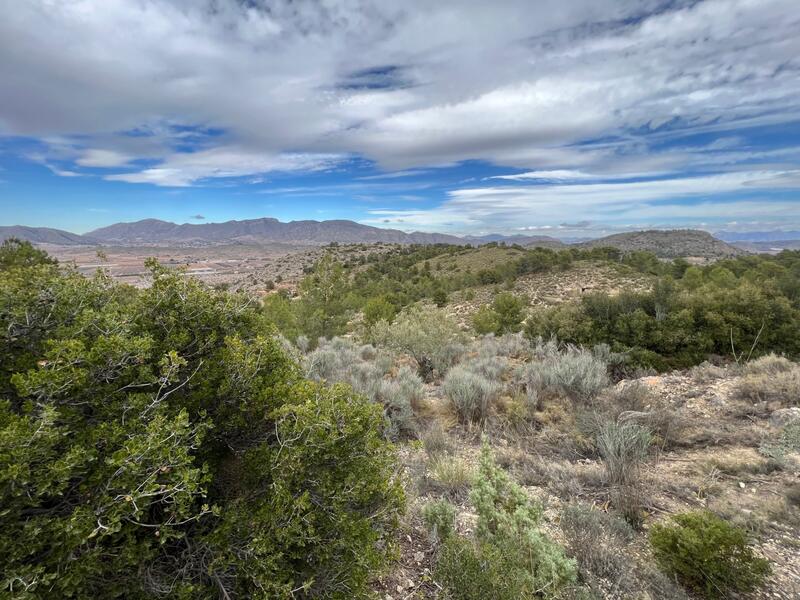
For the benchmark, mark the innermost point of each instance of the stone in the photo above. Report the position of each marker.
(784, 416)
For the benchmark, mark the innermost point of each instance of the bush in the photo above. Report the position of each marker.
(706, 373)
(429, 335)
(574, 371)
(450, 476)
(378, 309)
(510, 558)
(708, 555)
(601, 544)
(470, 395)
(158, 442)
(623, 448)
(597, 541)
(782, 387)
(436, 441)
(366, 370)
(440, 519)
(504, 316)
(770, 364)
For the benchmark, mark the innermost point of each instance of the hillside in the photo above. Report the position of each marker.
(269, 230)
(42, 235)
(668, 244)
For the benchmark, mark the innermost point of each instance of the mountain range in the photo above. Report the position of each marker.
(154, 232)
(253, 231)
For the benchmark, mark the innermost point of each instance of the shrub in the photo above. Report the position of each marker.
(484, 321)
(504, 316)
(782, 387)
(510, 557)
(470, 395)
(597, 540)
(575, 372)
(623, 448)
(769, 364)
(450, 476)
(786, 443)
(429, 335)
(398, 396)
(600, 543)
(436, 441)
(490, 367)
(708, 555)
(706, 372)
(440, 519)
(378, 309)
(171, 449)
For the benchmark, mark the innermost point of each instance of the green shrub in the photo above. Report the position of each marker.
(484, 321)
(708, 555)
(510, 557)
(159, 442)
(378, 309)
(440, 518)
(470, 394)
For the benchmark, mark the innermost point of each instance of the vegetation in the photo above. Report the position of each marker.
(192, 442)
(739, 308)
(708, 554)
(160, 442)
(510, 557)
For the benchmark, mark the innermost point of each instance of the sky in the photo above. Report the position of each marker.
(572, 118)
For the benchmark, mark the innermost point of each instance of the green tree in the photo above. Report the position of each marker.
(378, 309)
(160, 443)
(322, 307)
(510, 311)
(15, 252)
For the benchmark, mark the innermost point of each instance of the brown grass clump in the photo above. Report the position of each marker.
(781, 387)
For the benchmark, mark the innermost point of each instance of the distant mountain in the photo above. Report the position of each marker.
(758, 236)
(769, 247)
(267, 230)
(258, 231)
(544, 241)
(43, 235)
(669, 244)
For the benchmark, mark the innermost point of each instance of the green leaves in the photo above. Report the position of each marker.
(159, 442)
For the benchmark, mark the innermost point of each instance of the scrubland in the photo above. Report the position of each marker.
(368, 437)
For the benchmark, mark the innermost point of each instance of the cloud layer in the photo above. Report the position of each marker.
(603, 92)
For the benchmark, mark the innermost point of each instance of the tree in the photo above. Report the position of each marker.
(159, 442)
(378, 309)
(15, 252)
(322, 300)
(510, 311)
(504, 316)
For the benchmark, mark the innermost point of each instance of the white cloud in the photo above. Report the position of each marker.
(97, 157)
(662, 200)
(519, 84)
(185, 169)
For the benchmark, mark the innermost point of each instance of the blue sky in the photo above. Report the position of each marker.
(569, 117)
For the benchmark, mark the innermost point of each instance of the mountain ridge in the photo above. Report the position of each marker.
(266, 230)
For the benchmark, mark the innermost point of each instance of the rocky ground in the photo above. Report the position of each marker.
(713, 462)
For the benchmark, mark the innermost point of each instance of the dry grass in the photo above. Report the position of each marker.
(782, 387)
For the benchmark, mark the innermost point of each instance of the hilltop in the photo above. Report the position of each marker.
(669, 244)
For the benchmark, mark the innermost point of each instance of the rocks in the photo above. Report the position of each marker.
(784, 416)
